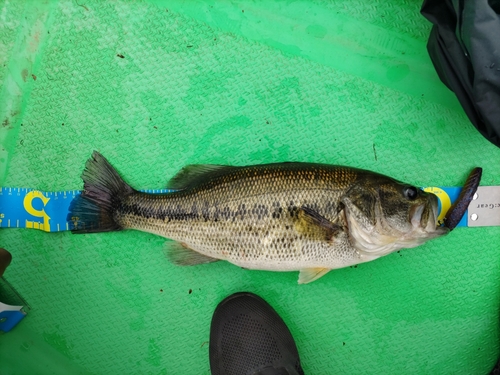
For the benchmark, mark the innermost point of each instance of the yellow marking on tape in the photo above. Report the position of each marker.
(444, 198)
(28, 206)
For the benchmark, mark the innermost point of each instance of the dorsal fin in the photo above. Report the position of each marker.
(193, 174)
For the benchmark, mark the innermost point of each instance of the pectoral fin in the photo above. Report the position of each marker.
(308, 275)
(312, 223)
(181, 255)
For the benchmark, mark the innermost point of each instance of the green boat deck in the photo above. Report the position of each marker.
(156, 85)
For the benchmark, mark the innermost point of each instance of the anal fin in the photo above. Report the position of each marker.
(308, 275)
(181, 255)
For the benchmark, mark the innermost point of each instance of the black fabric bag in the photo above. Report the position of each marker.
(464, 46)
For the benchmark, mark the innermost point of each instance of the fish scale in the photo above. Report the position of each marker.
(276, 217)
(258, 229)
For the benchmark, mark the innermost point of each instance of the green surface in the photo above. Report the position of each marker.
(344, 82)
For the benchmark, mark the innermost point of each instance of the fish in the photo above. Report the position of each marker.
(289, 216)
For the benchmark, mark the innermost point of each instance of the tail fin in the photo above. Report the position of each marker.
(93, 210)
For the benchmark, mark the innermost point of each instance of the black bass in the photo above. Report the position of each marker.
(279, 217)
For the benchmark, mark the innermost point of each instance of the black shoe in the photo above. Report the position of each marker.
(247, 337)
(496, 369)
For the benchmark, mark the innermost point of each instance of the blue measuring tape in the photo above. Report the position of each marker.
(446, 197)
(35, 209)
(48, 211)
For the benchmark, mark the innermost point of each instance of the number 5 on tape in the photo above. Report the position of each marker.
(28, 206)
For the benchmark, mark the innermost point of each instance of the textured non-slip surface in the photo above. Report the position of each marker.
(156, 85)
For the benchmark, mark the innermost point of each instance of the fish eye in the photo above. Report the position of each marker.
(411, 193)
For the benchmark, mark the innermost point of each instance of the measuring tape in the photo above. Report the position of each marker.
(35, 209)
(48, 211)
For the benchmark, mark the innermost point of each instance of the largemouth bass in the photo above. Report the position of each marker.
(279, 217)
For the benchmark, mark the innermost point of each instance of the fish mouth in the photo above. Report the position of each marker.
(424, 218)
(417, 216)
